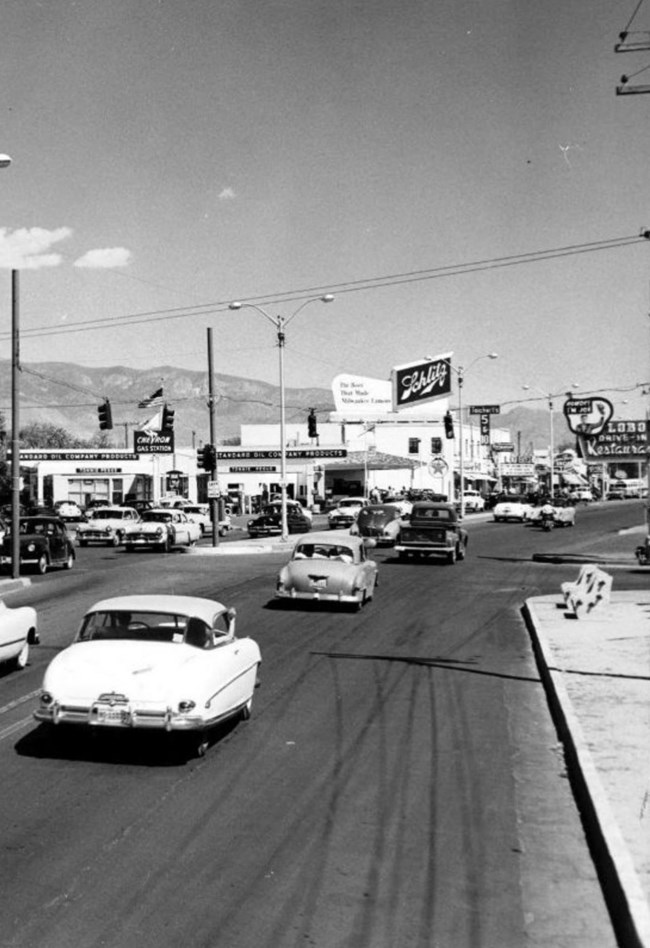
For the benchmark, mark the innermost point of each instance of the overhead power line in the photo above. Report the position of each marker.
(352, 286)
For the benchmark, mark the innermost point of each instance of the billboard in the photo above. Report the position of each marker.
(420, 382)
(588, 416)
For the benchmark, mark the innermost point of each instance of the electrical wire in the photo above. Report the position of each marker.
(369, 283)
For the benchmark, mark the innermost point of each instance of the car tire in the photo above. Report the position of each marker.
(21, 659)
(41, 566)
(69, 563)
(201, 743)
(246, 711)
(452, 556)
(115, 541)
(462, 552)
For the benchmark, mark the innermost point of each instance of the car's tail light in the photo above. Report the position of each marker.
(46, 698)
(185, 706)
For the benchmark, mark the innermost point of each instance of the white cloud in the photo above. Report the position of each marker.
(105, 258)
(26, 248)
(227, 195)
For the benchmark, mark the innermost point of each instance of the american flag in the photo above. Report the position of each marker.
(155, 399)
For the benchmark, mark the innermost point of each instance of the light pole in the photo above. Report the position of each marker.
(280, 323)
(460, 372)
(551, 449)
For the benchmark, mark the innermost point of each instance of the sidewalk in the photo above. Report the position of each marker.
(596, 671)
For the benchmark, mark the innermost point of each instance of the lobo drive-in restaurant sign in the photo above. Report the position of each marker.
(421, 382)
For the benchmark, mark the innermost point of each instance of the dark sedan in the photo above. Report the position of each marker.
(269, 523)
(44, 542)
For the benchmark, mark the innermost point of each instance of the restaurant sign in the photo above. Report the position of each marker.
(419, 382)
(619, 439)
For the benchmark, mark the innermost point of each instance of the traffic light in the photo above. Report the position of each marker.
(210, 457)
(206, 457)
(167, 420)
(312, 424)
(105, 415)
(449, 425)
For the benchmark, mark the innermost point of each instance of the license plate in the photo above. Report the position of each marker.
(318, 583)
(112, 716)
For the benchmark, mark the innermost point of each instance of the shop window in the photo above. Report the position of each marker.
(414, 445)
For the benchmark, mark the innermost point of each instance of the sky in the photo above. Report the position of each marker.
(171, 156)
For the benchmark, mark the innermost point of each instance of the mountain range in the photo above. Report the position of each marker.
(67, 395)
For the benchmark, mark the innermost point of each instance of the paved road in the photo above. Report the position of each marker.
(400, 782)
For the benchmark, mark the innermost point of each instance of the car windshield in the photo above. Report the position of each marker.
(513, 499)
(136, 626)
(38, 527)
(324, 551)
(377, 515)
(156, 516)
(109, 514)
(433, 513)
(350, 503)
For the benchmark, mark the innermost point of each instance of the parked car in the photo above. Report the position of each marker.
(380, 521)
(291, 505)
(616, 493)
(434, 529)
(152, 662)
(473, 501)
(269, 522)
(346, 512)
(327, 569)
(68, 511)
(107, 525)
(584, 494)
(512, 507)
(18, 630)
(44, 542)
(161, 530)
(200, 513)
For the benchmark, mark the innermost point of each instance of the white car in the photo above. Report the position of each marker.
(162, 529)
(161, 663)
(200, 513)
(346, 512)
(473, 501)
(512, 507)
(18, 630)
(107, 525)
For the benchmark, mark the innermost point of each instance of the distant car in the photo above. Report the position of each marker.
(379, 521)
(433, 529)
(564, 513)
(584, 494)
(346, 512)
(200, 513)
(327, 569)
(154, 662)
(291, 505)
(512, 507)
(68, 511)
(473, 501)
(107, 525)
(18, 630)
(44, 542)
(616, 493)
(269, 522)
(162, 530)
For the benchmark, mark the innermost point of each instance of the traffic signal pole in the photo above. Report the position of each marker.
(214, 501)
(15, 424)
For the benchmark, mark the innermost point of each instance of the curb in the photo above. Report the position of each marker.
(13, 585)
(622, 889)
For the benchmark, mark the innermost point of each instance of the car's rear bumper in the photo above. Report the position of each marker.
(317, 595)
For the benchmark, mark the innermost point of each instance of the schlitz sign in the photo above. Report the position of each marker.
(154, 442)
(421, 382)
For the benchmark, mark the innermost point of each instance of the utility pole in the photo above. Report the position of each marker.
(630, 43)
(15, 424)
(215, 503)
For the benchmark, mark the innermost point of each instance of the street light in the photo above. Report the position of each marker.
(460, 372)
(280, 323)
(551, 450)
